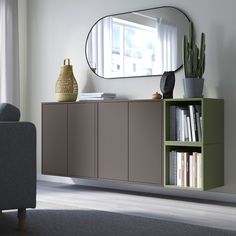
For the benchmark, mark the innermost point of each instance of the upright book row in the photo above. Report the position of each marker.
(185, 123)
(185, 169)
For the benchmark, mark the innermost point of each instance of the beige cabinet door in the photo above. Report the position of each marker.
(145, 142)
(54, 139)
(113, 140)
(82, 140)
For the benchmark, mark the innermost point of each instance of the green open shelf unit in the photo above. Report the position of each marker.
(211, 145)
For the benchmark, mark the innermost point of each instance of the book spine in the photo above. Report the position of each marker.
(201, 125)
(199, 170)
(195, 169)
(189, 129)
(179, 169)
(173, 168)
(186, 169)
(102, 94)
(198, 126)
(191, 182)
(193, 122)
(186, 114)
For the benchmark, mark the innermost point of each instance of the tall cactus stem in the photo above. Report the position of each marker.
(193, 58)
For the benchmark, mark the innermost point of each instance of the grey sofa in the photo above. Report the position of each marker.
(17, 168)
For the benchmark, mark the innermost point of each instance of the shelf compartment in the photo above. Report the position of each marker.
(185, 153)
(183, 122)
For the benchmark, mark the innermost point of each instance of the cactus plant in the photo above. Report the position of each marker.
(193, 58)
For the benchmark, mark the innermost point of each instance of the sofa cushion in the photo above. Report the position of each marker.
(8, 112)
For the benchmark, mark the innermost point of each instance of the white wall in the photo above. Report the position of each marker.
(58, 28)
(22, 17)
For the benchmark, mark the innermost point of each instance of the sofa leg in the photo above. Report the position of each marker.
(21, 219)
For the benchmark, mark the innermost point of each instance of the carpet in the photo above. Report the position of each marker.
(99, 223)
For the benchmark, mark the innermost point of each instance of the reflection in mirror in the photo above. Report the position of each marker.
(141, 43)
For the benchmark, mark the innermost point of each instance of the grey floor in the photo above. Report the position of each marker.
(61, 196)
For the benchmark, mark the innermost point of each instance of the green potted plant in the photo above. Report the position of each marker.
(194, 64)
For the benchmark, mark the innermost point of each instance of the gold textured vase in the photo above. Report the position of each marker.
(66, 85)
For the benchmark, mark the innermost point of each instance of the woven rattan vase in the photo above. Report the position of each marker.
(66, 85)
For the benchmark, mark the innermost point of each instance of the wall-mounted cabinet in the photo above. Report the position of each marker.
(115, 140)
(123, 140)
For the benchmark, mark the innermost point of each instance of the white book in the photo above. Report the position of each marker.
(91, 98)
(199, 170)
(186, 135)
(191, 182)
(193, 122)
(173, 168)
(194, 176)
(182, 170)
(189, 129)
(179, 168)
(98, 94)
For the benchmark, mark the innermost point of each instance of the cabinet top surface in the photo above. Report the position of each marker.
(190, 99)
(106, 101)
(136, 100)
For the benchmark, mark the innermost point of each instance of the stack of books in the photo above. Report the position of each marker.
(97, 96)
(186, 123)
(185, 169)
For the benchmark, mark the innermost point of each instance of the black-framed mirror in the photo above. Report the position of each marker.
(139, 43)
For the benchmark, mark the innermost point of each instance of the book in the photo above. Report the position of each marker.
(98, 94)
(195, 167)
(193, 123)
(179, 169)
(201, 122)
(191, 174)
(94, 98)
(173, 168)
(199, 170)
(189, 129)
(181, 172)
(186, 169)
(181, 124)
(199, 130)
(186, 134)
(178, 124)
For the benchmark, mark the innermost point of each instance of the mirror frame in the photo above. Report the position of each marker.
(124, 77)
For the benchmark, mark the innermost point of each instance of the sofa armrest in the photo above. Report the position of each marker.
(17, 165)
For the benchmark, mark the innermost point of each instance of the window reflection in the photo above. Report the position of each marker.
(136, 44)
(133, 49)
